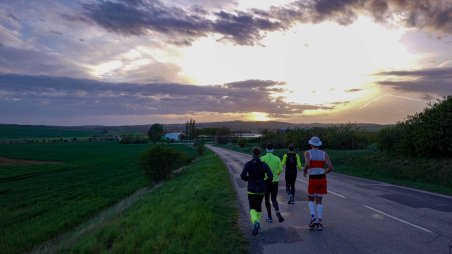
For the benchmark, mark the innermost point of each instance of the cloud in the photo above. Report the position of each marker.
(435, 15)
(353, 90)
(62, 97)
(29, 61)
(262, 85)
(183, 25)
(428, 81)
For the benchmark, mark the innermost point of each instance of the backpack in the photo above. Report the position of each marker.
(291, 163)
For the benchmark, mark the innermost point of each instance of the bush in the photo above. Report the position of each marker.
(200, 148)
(342, 136)
(425, 134)
(159, 161)
(241, 142)
(133, 140)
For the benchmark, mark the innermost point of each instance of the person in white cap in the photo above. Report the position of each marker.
(315, 162)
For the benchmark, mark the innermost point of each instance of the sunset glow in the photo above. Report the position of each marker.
(234, 60)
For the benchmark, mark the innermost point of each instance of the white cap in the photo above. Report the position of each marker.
(315, 141)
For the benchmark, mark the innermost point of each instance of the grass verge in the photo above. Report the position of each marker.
(431, 174)
(38, 202)
(195, 212)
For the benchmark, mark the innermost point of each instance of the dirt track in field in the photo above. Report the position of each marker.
(16, 162)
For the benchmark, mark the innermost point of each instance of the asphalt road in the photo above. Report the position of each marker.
(360, 216)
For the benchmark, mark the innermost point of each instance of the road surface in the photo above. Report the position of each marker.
(361, 216)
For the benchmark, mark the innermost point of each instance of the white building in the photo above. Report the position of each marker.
(173, 136)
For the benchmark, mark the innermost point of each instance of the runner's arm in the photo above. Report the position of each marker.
(244, 174)
(328, 164)
(300, 168)
(306, 163)
(269, 173)
(284, 159)
(280, 168)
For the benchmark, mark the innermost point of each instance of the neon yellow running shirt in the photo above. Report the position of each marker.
(274, 162)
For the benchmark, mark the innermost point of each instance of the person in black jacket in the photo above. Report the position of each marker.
(257, 173)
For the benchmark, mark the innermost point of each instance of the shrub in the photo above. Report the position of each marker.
(428, 133)
(159, 161)
(133, 140)
(241, 142)
(200, 148)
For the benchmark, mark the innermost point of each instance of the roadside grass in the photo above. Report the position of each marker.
(38, 202)
(431, 174)
(194, 212)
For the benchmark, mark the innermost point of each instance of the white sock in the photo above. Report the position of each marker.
(312, 208)
(319, 211)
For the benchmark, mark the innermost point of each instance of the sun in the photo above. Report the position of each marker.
(258, 116)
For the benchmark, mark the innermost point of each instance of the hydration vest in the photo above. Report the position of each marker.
(291, 163)
(316, 162)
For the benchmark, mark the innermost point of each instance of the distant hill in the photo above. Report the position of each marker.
(258, 126)
(25, 131)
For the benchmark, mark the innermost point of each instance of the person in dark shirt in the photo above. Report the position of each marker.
(257, 174)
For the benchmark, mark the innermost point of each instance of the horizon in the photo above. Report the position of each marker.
(197, 123)
(117, 62)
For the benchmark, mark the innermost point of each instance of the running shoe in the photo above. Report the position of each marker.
(256, 228)
(312, 224)
(319, 224)
(269, 219)
(280, 218)
(292, 200)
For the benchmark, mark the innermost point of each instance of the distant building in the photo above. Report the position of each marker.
(249, 135)
(176, 136)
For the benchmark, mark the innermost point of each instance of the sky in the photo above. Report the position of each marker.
(126, 62)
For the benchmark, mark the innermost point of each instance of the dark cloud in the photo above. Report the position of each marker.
(137, 17)
(353, 90)
(431, 14)
(437, 81)
(58, 96)
(262, 85)
(183, 26)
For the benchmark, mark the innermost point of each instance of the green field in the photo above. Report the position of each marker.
(432, 174)
(40, 201)
(10, 131)
(196, 212)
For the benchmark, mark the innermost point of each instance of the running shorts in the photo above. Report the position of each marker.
(317, 185)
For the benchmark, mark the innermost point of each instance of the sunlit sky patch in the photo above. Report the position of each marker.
(136, 62)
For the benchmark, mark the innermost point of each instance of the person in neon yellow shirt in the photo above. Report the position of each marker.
(275, 165)
(291, 161)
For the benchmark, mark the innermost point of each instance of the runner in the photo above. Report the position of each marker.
(256, 173)
(291, 161)
(274, 163)
(315, 160)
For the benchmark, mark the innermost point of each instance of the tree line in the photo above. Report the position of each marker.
(425, 134)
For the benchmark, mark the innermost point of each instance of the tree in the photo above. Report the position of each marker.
(155, 132)
(425, 134)
(223, 135)
(158, 162)
(190, 128)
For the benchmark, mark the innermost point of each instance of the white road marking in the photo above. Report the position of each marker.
(329, 190)
(395, 218)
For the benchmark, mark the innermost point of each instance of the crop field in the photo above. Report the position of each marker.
(40, 201)
(23, 131)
